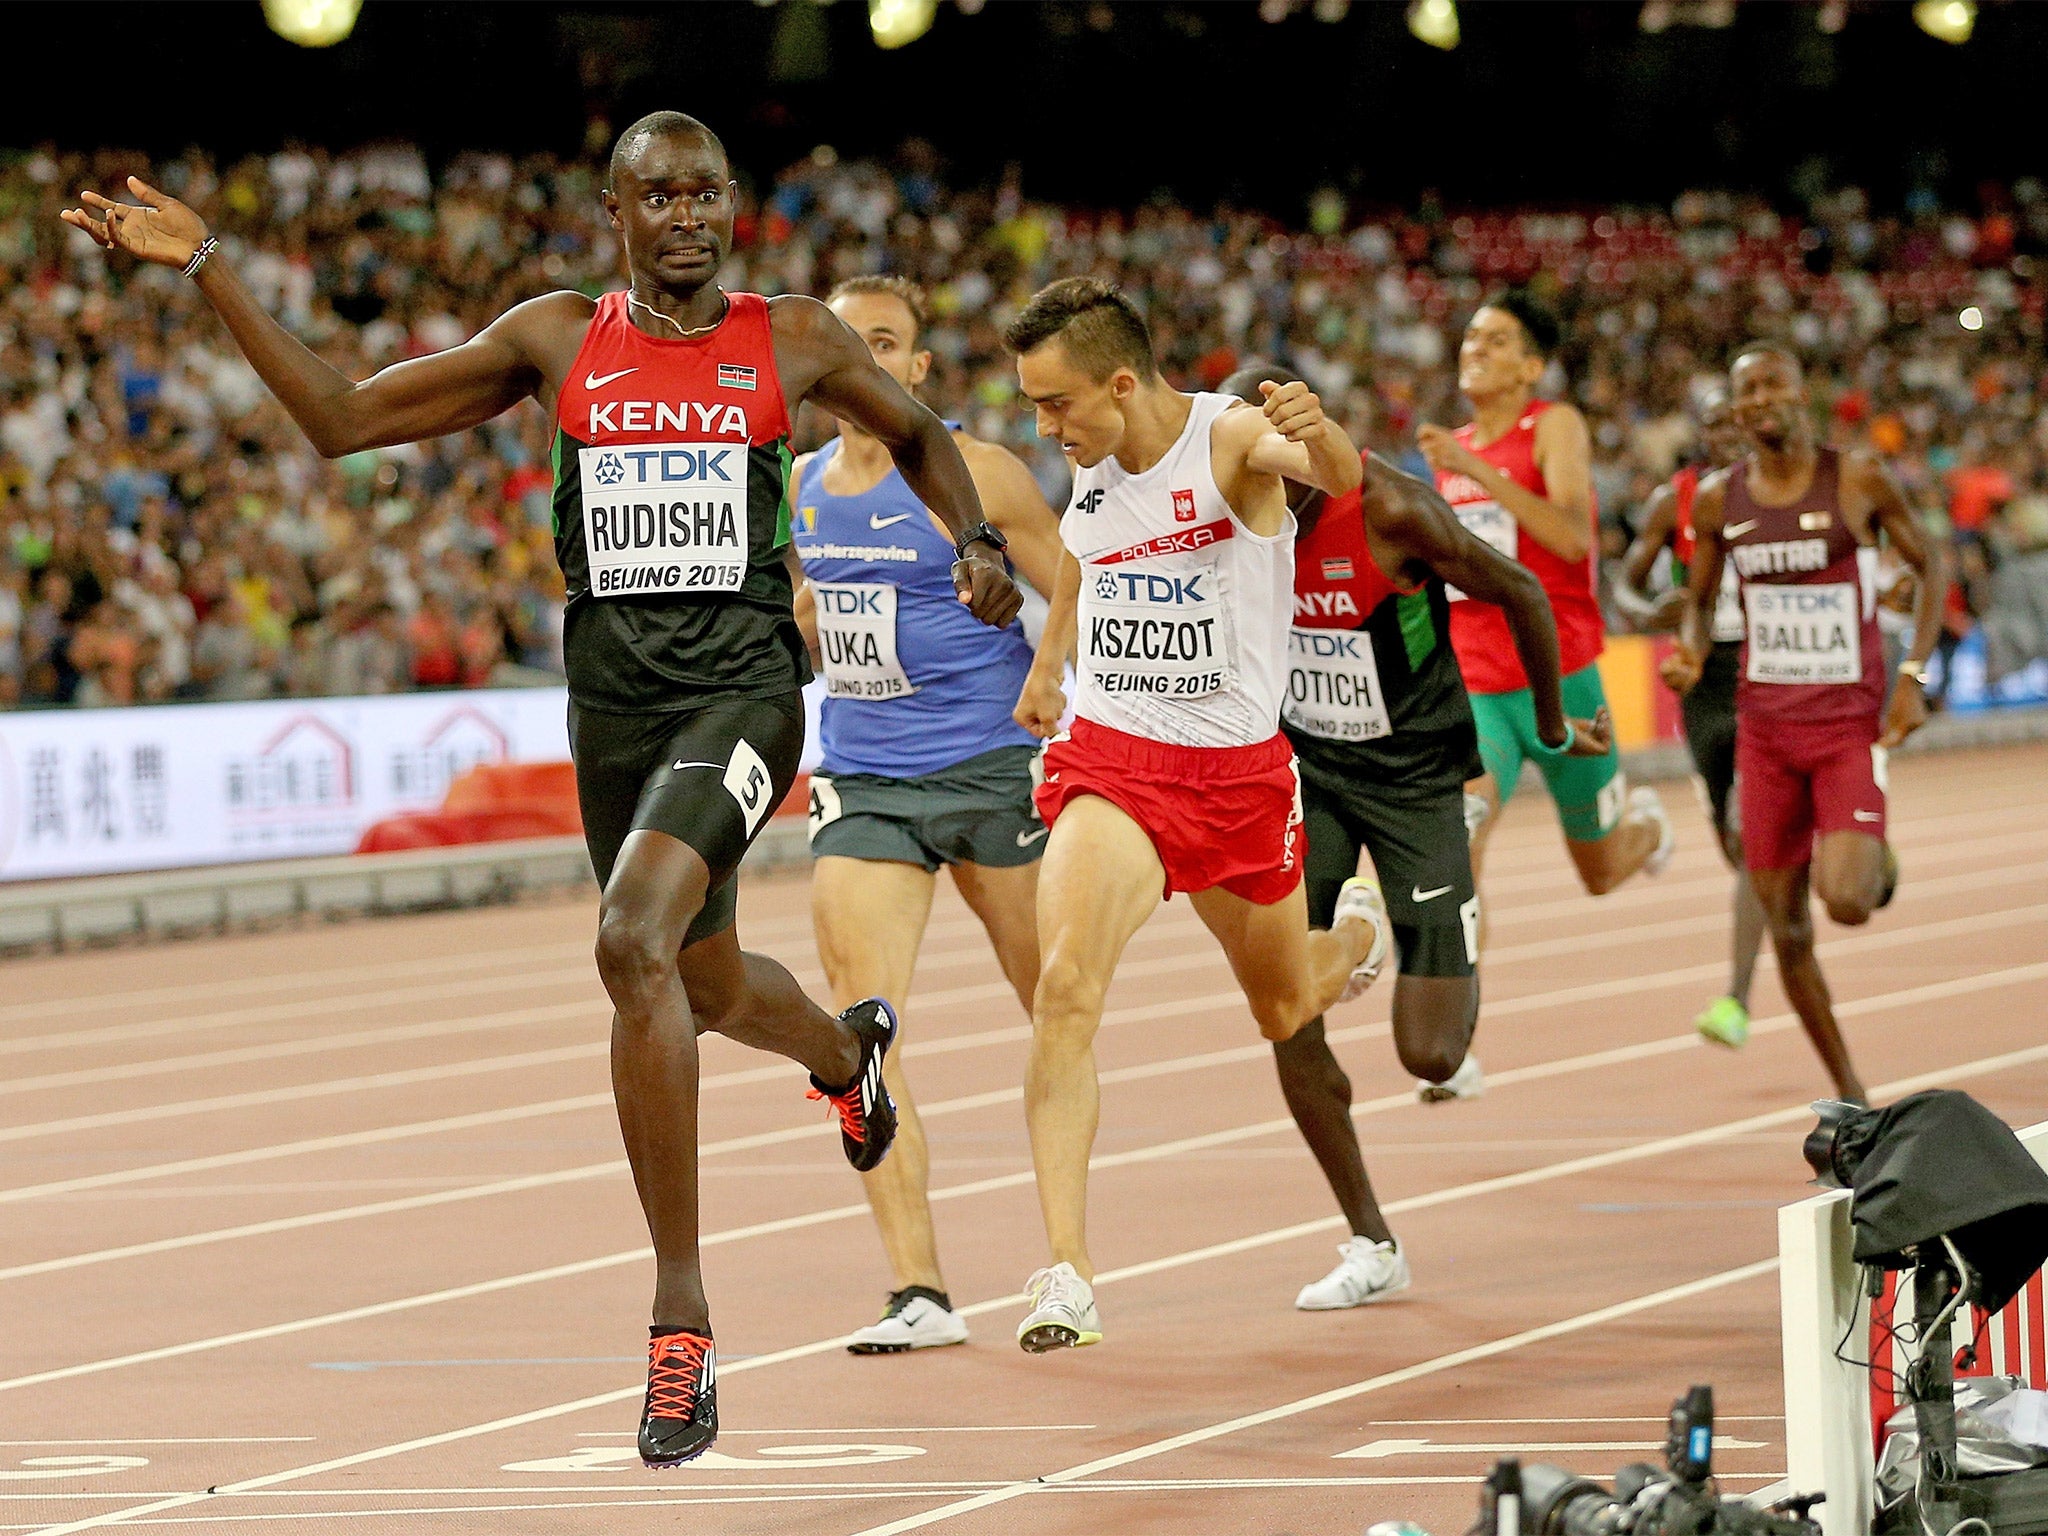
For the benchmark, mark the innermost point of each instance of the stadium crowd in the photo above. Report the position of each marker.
(167, 534)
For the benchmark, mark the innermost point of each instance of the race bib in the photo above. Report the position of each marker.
(857, 633)
(1333, 686)
(1490, 523)
(1804, 634)
(1162, 635)
(665, 517)
(1728, 607)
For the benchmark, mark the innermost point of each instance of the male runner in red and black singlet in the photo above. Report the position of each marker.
(1519, 475)
(1709, 709)
(1801, 524)
(1384, 741)
(672, 403)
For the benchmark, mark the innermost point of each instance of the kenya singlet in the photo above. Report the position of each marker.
(1727, 625)
(1812, 654)
(914, 682)
(671, 461)
(1373, 690)
(1485, 644)
(1183, 610)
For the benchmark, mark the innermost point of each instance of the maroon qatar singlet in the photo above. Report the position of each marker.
(1811, 654)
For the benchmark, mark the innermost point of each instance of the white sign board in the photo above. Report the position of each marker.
(100, 791)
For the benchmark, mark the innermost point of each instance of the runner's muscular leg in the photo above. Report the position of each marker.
(1604, 862)
(1783, 893)
(1434, 1017)
(1100, 879)
(870, 916)
(1848, 875)
(1489, 791)
(1289, 972)
(1006, 901)
(1318, 1095)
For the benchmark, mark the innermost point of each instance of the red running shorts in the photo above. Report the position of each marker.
(1797, 782)
(1218, 816)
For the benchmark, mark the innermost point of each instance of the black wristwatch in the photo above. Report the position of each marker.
(980, 533)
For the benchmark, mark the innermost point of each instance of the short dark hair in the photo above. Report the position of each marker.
(1540, 327)
(1102, 329)
(1776, 349)
(1246, 381)
(657, 125)
(893, 286)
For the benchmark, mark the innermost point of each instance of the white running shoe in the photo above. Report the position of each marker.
(1476, 812)
(1367, 1272)
(1361, 898)
(1062, 1314)
(1643, 798)
(914, 1319)
(1468, 1082)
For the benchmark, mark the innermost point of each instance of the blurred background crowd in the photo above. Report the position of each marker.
(165, 533)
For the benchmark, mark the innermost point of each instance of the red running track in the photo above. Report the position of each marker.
(329, 1229)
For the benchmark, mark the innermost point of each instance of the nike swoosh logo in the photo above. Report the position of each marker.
(879, 523)
(599, 380)
(1419, 894)
(1868, 815)
(1026, 839)
(1737, 530)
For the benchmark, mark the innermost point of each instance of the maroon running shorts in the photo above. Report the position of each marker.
(1796, 782)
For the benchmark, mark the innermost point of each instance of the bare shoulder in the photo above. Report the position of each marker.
(1563, 422)
(547, 317)
(1232, 434)
(983, 456)
(1864, 470)
(1712, 494)
(799, 317)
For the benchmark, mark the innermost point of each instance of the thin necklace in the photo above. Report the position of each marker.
(633, 299)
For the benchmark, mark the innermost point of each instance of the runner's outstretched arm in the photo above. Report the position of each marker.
(1650, 611)
(1681, 669)
(1042, 700)
(853, 386)
(1907, 710)
(1417, 528)
(1296, 440)
(1016, 506)
(1562, 521)
(409, 401)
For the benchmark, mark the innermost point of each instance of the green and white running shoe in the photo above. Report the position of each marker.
(1724, 1021)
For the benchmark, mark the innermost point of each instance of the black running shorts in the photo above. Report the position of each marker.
(709, 777)
(1421, 853)
(1709, 715)
(976, 812)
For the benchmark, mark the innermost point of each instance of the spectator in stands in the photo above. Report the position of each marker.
(156, 471)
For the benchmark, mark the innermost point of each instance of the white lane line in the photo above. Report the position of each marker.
(584, 974)
(1441, 1363)
(433, 1029)
(596, 1009)
(823, 1346)
(182, 1440)
(326, 1087)
(1206, 959)
(1455, 1193)
(1257, 1051)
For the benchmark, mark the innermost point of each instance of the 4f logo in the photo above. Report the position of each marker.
(1089, 502)
(1183, 506)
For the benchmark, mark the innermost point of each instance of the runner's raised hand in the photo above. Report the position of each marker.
(161, 229)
